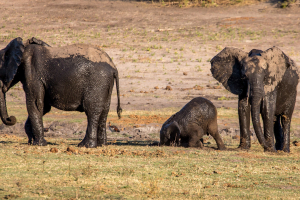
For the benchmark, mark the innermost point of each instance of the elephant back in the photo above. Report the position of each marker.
(92, 53)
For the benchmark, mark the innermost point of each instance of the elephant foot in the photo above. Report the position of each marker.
(200, 145)
(88, 143)
(278, 146)
(222, 148)
(101, 142)
(270, 149)
(245, 143)
(39, 142)
(29, 141)
(244, 147)
(287, 150)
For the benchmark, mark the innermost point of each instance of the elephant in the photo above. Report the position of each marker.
(72, 78)
(196, 118)
(266, 85)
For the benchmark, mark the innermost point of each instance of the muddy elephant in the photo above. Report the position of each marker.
(266, 82)
(190, 124)
(71, 78)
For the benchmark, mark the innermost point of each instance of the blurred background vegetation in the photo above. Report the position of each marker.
(213, 3)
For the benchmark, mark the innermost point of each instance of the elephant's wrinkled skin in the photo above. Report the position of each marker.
(196, 118)
(266, 82)
(71, 78)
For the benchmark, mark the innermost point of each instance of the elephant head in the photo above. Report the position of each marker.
(169, 133)
(257, 74)
(10, 59)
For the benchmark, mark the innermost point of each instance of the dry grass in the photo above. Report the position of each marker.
(127, 172)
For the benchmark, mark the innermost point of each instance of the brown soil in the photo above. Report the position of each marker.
(162, 52)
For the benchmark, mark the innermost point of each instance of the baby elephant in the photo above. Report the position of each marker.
(196, 118)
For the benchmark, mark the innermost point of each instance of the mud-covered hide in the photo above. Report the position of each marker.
(277, 64)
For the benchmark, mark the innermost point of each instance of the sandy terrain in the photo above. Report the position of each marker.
(153, 47)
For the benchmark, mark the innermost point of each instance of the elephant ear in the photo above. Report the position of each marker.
(173, 128)
(12, 57)
(277, 64)
(226, 68)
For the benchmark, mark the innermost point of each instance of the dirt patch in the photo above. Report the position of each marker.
(248, 155)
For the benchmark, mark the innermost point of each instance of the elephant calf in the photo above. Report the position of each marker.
(196, 118)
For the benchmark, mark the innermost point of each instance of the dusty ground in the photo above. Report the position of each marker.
(153, 47)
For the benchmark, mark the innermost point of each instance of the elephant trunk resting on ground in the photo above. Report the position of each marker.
(71, 78)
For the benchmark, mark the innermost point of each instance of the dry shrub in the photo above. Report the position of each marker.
(168, 88)
(53, 150)
(72, 150)
(232, 185)
(197, 87)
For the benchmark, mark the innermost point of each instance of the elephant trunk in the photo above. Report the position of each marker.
(256, 101)
(3, 110)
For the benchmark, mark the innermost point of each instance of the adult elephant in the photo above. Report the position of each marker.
(266, 82)
(71, 78)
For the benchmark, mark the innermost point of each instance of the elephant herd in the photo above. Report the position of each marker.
(81, 78)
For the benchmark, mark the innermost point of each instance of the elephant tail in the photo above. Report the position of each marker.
(119, 109)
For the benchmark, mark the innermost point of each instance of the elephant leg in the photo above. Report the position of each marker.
(286, 124)
(194, 141)
(36, 121)
(268, 113)
(202, 140)
(213, 131)
(278, 134)
(196, 134)
(28, 131)
(177, 140)
(286, 119)
(184, 141)
(90, 139)
(28, 126)
(244, 121)
(101, 133)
